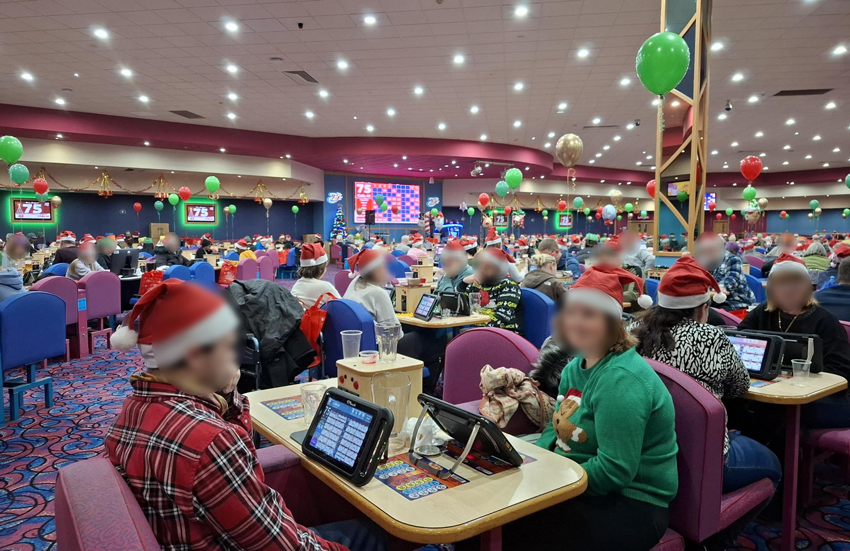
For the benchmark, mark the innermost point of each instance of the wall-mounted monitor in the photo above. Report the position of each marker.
(30, 210)
(201, 213)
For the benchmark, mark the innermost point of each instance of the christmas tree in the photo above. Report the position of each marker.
(338, 228)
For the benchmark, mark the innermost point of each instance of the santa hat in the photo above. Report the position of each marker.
(601, 287)
(687, 285)
(839, 252)
(522, 244)
(498, 257)
(786, 264)
(67, 237)
(364, 262)
(281, 236)
(173, 318)
(85, 246)
(87, 238)
(470, 244)
(573, 395)
(242, 245)
(492, 237)
(313, 254)
(454, 249)
(136, 234)
(379, 242)
(418, 240)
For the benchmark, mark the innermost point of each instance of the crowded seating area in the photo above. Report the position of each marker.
(249, 302)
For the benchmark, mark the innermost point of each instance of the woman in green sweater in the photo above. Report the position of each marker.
(614, 417)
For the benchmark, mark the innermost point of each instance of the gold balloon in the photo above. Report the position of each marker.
(56, 201)
(568, 150)
(763, 202)
(616, 196)
(818, 211)
(267, 203)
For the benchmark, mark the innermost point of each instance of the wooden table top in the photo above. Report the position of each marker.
(452, 515)
(402, 363)
(785, 392)
(444, 323)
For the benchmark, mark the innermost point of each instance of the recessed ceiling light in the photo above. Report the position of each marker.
(59, 136)
(656, 102)
(789, 122)
(547, 145)
(418, 90)
(370, 20)
(734, 144)
(762, 154)
(76, 75)
(395, 165)
(144, 99)
(630, 126)
(734, 184)
(737, 77)
(404, 157)
(125, 72)
(808, 156)
(453, 161)
(617, 138)
(533, 138)
(473, 109)
(648, 157)
(562, 106)
(342, 64)
(717, 46)
(830, 105)
(596, 120)
(355, 117)
(786, 147)
(584, 52)
(232, 69)
(598, 155)
(345, 161)
(592, 161)
(147, 143)
(409, 168)
(784, 162)
(551, 134)
(309, 114)
(753, 99)
(519, 86)
(370, 128)
(836, 150)
(517, 123)
(231, 26)
(714, 152)
(625, 81)
(288, 156)
(222, 149)
(816, 137)
(675, 104)
(27, 77)
(482, 137)
(59, 101)
(231, 116)
(521, 11)
(841, 49)
(458, 59)
(639, 163)
(826, 165)
(441, 126)
(391, 112)
(232, 97)
(323, 93)
(606, 147)
(759, 134)
(721, 117)
(102, 34)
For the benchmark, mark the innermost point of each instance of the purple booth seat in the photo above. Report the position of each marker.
(756, 261)
(66, 289)
(830, 440)
(342, 281)
(96, 511)
(247, 269)
(336, 254)
(264, 264)
(260, 254)
(700, 509)
(103, 301)
(409, 260)
(467, 353)
(728, 319)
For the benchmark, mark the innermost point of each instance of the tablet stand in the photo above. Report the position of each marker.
(424, 463)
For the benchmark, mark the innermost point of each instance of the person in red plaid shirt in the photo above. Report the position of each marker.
(183, 438)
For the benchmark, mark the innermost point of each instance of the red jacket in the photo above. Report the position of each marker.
(196, 476)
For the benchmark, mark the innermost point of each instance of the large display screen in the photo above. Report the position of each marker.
(404, 196)
(30, 210)
(710, 197)
(200, 213)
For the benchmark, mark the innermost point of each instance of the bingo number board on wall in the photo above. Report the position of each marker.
(405, 196)
(200, 213)
(29, 210)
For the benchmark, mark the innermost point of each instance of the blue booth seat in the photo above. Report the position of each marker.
(537, 311)
(232, 255)
(144, 256)
(204, 274)
(396, 253)
(21, 317)
(344, 314)
(396, 267)
(650, 287)
(59, 269)
(756, 287)
(177, 272)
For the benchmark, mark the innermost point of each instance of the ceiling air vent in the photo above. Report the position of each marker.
(601, 126)
(811, 92)
(187, 114)
(301, 77)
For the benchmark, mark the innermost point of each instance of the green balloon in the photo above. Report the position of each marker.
(545, 212)
(513, 177)
(501, 188)
(578, 202)
(682, 196)
(814, 203)
(158, 206)
(729, 211)
(847, 181)
(173, 199)
(619, 217)
(39, 197)
(749, 193)
(586, 211)
(434, 211)
(846, 212)
(19, 174)
(662, 62)
(212, 184)
(10, 149)
(295, 209)
(379, 199)
(232, 209)
(644, 214)
(470, 211)
(628, 207)
(385, 207)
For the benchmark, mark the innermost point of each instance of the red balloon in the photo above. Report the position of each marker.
(719, 216)
(598, 215)
(734, 216)
(137, 207)
(751, 167)
(40, 185)
(562, 205)
(184, 193)
(508, 210)
(650, 188)
(783, 214)
(394, 209)
(711, 207)
(483, 199)
(599, 211)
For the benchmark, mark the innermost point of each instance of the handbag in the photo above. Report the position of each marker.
(312, 323)
(228, 273)
(150, 280)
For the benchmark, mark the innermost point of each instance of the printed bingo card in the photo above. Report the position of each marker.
(411, 482)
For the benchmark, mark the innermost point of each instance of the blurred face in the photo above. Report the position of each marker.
(585, 328)
(556, 253)
(379, 275)
(16, 249)
(488, 273)
(710, 254)
(789, 292)
(453, 265)
(108, 249)
(630, 242)
(87, 254)
(607, 256)
(213, 368)
(172, 244)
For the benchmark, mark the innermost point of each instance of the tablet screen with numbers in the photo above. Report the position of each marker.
(200, 213)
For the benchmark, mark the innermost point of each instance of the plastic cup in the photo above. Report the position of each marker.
(387, 335)
(369, 356)
(408, 275)
(350, 342)
(801, 370)
(311, 397)
(475, 302)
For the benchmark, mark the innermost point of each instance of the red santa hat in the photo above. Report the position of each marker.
(573, 395)
(85, 246)
(492, 237)
(173, 318)
(788, 264)
(841, 250)
(522, 244)
(242, 245)
(282, 236)
(67, 237)
(470, 244)
(87, 238)
(364, 262)
(207, 236)
(687, 285)
(601, 287)
(313, 254)
(417, 240)
(498, 257)
(454, 249)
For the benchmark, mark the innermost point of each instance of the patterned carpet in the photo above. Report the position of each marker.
(88, 395)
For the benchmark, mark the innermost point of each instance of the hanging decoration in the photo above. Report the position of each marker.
(104, 183)
(159, 186)
(568, 151)
(662, 62)
(302, 196)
